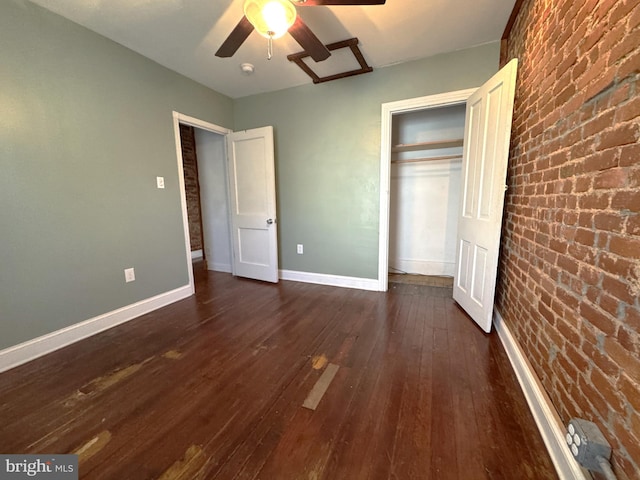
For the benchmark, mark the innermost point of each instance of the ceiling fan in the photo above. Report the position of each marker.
(273, 18)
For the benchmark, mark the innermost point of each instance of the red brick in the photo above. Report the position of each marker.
(579, 69)
(629, 66)
(621, 464)
(592, 38)
(585, 237)
(626, 200)
(581, 253)
(593, 201)
(546, 313)
(558, 245)
(618, 289)
(630, 155)
(603, 10)
(620, 10)
(601, 160)
(620, 94)
(628, 340)
(613, 178)
(602, 86)
(628, 111)
(629, 441)
(634, 177)
(573, 338)
(599, 123)
(598, 318)
(605, 385)
(629, 43)
(592, 295)
(630, 390)
(594, 401)
(567, 93)
(602, 240)
(585, 219)
(634, 421)
(609, 304)
(603, 361)
(567, 298)
(625, 246)
(634, 19)
(567, 367)
(582, 184)
(632, 319)
(591, 290)
(619, 135)
(628, 363)
(608, 221)
(614, 265)
(633, 224)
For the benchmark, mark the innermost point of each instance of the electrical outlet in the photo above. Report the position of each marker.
(587, 444)
(160, 182)
(129, 275)
(300, 249)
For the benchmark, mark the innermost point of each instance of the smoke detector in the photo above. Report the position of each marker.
(247, 68)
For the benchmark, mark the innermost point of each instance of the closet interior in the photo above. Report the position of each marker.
(426, 161)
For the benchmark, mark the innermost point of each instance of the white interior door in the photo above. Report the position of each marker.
(252, 193)
(484, 169)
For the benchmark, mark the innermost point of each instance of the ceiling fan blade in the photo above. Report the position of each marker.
(238, 35)
(307, 40)
(312, 3)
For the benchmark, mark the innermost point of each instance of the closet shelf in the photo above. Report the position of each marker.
(428, 159)
(412, 147)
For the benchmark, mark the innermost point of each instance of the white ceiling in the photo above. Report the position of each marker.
(184, 35)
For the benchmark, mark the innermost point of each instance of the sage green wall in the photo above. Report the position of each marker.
(327, 140)
(85, 128)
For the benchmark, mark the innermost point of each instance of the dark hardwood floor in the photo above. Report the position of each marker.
(213, 387)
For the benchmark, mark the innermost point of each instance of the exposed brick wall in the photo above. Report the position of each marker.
(190, 166)
(569, 280)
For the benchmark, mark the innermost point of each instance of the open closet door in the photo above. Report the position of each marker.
(252, 192)
(484, 170)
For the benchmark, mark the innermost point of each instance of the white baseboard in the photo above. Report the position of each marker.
(24, 352)
(196, 254)
(422, 267)
(219, 267)
(332, 280)
(545, 415)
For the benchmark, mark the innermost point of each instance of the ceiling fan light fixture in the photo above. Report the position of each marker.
(271, 18)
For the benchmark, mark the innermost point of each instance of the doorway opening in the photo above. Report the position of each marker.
(420, 173)
(192, 192)
(201, 153)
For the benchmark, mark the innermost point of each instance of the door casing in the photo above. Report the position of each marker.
(388, 111)
(179, 118)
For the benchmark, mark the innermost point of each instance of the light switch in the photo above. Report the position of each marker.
(160, 182)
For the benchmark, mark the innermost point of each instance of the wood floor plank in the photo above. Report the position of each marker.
(444, 457)
(411, 456)
(469, 453)
(213, 385)
(321, 387)
(395, 375)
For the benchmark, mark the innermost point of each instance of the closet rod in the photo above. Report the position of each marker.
(427, 159)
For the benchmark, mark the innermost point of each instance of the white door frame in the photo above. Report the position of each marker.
(179, 118)
(388, 111)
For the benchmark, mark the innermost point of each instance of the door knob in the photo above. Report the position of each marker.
(269, 221)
